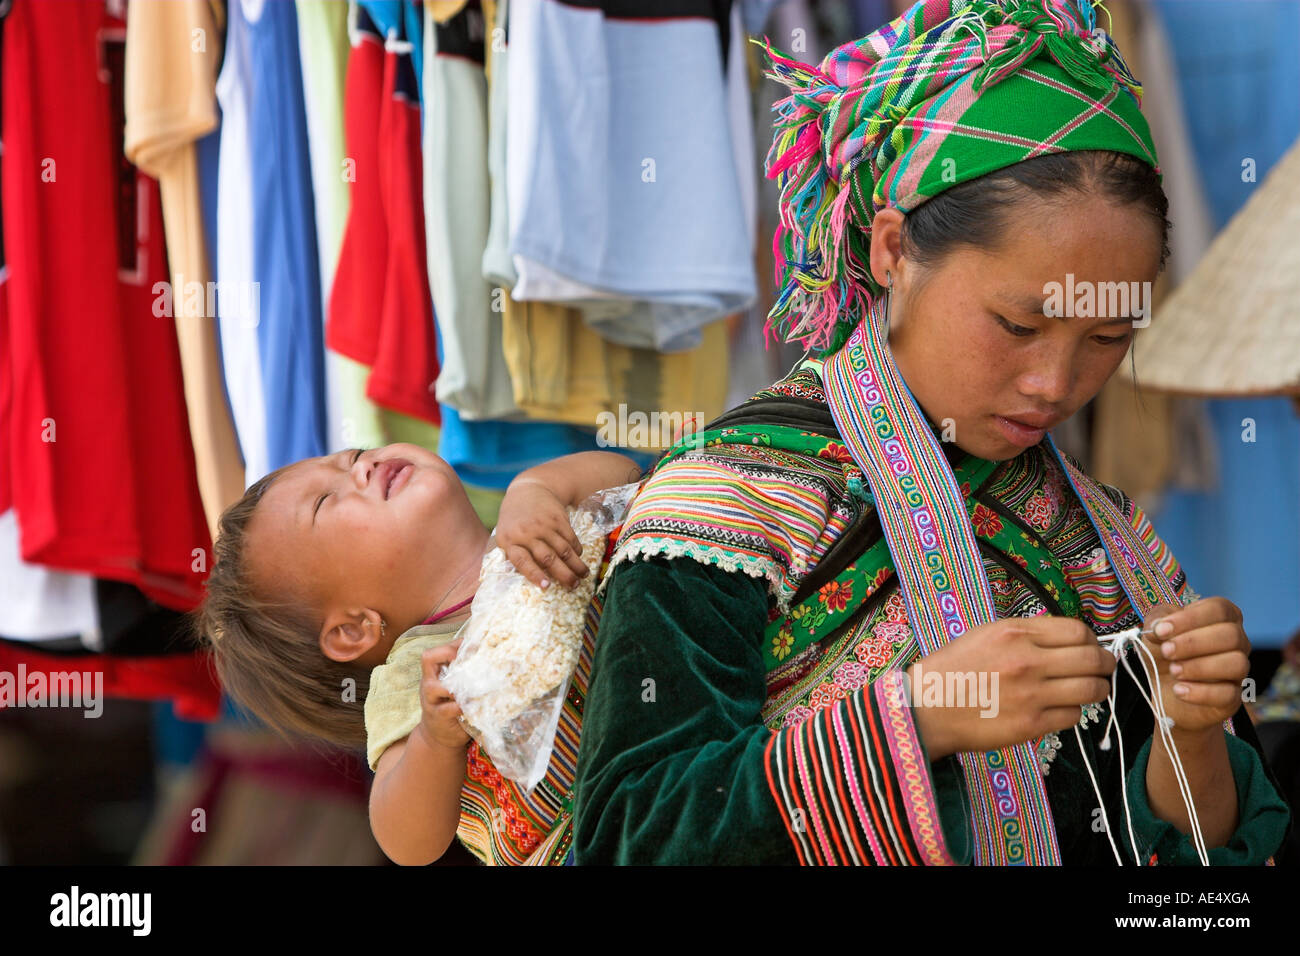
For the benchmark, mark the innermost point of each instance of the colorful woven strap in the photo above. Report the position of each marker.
(940, 573)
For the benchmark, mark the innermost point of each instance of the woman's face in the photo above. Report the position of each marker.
(969, 334)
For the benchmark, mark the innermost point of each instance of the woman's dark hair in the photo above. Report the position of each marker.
(978, 212)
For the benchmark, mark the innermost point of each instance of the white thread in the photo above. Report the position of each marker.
(1101, 804)
(1112, 699)
(1163, 723)
(1123, 777)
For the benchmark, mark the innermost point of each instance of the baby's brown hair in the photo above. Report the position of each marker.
(267, 653)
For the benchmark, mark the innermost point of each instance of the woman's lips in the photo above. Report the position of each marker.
(1018, 433)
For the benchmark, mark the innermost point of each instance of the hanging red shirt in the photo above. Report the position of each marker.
(351, 326)
(381, 310)
(97, 435)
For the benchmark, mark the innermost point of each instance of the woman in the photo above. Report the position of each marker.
(899, 503)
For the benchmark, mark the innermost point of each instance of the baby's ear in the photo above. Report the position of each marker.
(347, 635)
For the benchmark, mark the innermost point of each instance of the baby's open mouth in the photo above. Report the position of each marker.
(393, 475)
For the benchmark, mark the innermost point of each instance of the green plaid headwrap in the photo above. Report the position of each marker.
(949, 91)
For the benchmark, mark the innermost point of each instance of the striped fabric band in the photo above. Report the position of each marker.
(502, 825)
(852, 784)
(763, 511)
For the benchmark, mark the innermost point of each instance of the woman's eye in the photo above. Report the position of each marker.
(1014, 329)
(1111, 339)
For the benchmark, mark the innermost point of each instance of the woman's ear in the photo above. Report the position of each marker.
(347, 635)
(886, 244)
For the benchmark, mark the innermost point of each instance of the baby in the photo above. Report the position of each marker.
(324, 564)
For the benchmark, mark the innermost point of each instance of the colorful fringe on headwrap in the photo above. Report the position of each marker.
(949, 91)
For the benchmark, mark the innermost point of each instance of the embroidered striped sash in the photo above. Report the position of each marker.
(940, 573)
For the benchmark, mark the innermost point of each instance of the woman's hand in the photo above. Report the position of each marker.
(1041, 671)
(439, 713)
(1202, 656)
(533, 531)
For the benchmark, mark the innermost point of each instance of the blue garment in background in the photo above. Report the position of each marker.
(207, 151)
(1242, 100)
(489, 454)
(755, 14)
(285, 266)
(870, 15)
(208, 154)
(407, 18)
(1241, 92)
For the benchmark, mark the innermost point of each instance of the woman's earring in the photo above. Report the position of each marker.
(889, 302)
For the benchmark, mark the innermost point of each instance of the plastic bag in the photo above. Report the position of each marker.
(521, 646)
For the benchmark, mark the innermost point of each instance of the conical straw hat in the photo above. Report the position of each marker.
(1232, 327)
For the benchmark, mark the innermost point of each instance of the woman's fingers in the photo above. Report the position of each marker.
(1049, 631)
(1221, 695)
(1202, 641)
(1198, 614)
(1078, 691)
(1227, 666)
(1086, 661)
(1059, 718)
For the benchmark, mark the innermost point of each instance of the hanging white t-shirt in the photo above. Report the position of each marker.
(474, 378)
(621, 172)
(497, 267)
(237, 303)
(323, 51)
(38, 604)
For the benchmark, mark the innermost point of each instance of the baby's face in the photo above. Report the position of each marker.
(356, 524)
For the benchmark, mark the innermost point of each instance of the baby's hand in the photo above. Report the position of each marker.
(533, 531)
(439, 713)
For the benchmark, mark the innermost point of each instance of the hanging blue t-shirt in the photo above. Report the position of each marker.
(285, 267)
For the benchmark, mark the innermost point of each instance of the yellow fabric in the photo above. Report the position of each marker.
(173, 51)
(563, 371)
(489, 26)
(393, 701)
(444, 10)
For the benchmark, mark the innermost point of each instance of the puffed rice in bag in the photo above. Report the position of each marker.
(521, 646)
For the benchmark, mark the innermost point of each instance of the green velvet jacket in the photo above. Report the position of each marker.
(721, 727)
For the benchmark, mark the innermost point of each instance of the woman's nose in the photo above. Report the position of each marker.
(1049, 382)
